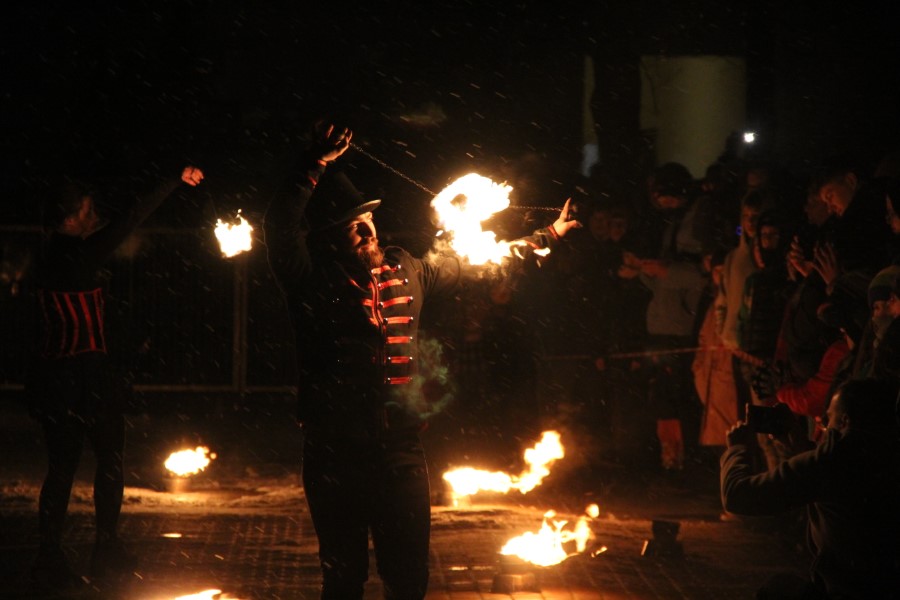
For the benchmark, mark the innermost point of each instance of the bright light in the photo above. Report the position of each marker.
(235, 237)
(749, 137)
(546, 547)
(462, 206)
(189, 462)
(467, 481)
(211, 594)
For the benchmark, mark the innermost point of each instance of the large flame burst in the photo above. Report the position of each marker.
(467, 481)
(461, 208)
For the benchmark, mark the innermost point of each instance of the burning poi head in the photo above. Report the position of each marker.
(234, 237)
(461, 208)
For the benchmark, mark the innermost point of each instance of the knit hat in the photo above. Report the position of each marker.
(882, 284)
(336, 200)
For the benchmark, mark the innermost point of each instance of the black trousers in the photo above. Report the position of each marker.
(358, 487)
(65, 439)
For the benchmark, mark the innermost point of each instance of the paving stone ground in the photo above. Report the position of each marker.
(244, 529)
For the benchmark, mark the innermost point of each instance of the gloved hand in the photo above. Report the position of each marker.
(766, 380)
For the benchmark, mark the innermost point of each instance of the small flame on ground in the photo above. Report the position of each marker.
(546, 547)
(467, 481)
(234, 238)
(462, 206)
(172, 536)
(189, 462)
(211, 594)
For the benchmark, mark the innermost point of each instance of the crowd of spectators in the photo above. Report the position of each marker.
(678, 305)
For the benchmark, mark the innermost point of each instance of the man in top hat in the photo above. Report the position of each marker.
(355, 307)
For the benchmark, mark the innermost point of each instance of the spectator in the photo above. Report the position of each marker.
(849, 486)
(671, 271)
(861, 237)
(763, 304)
(713, 372)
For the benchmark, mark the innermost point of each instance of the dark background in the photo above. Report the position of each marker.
(122, 95)
(117, 93)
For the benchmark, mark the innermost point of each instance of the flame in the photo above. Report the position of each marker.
(462, 206)
(189, 462)
(467, 481)
(211, 594)
(234, 238)
(546, 546)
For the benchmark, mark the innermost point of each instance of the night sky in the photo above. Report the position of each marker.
(120, 96)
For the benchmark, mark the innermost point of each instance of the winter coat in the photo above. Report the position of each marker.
(714, 380)
(850, 487)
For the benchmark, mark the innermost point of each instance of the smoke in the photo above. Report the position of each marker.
(431, 389)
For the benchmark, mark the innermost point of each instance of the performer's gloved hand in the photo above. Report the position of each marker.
(328, 142)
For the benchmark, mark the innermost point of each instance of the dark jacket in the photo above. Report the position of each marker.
(850, 486)
(356, 333)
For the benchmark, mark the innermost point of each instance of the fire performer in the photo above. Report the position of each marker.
(355, 311)
(69, 385)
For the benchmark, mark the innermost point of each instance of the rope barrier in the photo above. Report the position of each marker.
(740, 354)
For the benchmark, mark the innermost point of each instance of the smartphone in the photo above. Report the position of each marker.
(769, 419)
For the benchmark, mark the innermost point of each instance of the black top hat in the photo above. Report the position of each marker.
(336, 200)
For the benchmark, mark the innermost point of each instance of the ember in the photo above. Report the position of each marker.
(547, 546)
(461, 208)
(234, 237)
(189, 462)
(467, 481)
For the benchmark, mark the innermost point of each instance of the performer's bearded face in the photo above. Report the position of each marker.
(361, 241)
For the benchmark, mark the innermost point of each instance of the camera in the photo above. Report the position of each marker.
(776, 420)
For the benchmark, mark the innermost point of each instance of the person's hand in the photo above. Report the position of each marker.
(330, 142)
(825, 262)
(796, 259)
(630, 267)
(192, 175)
(563, 225)
(740, 434)
(765, 381)
(654, 268)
